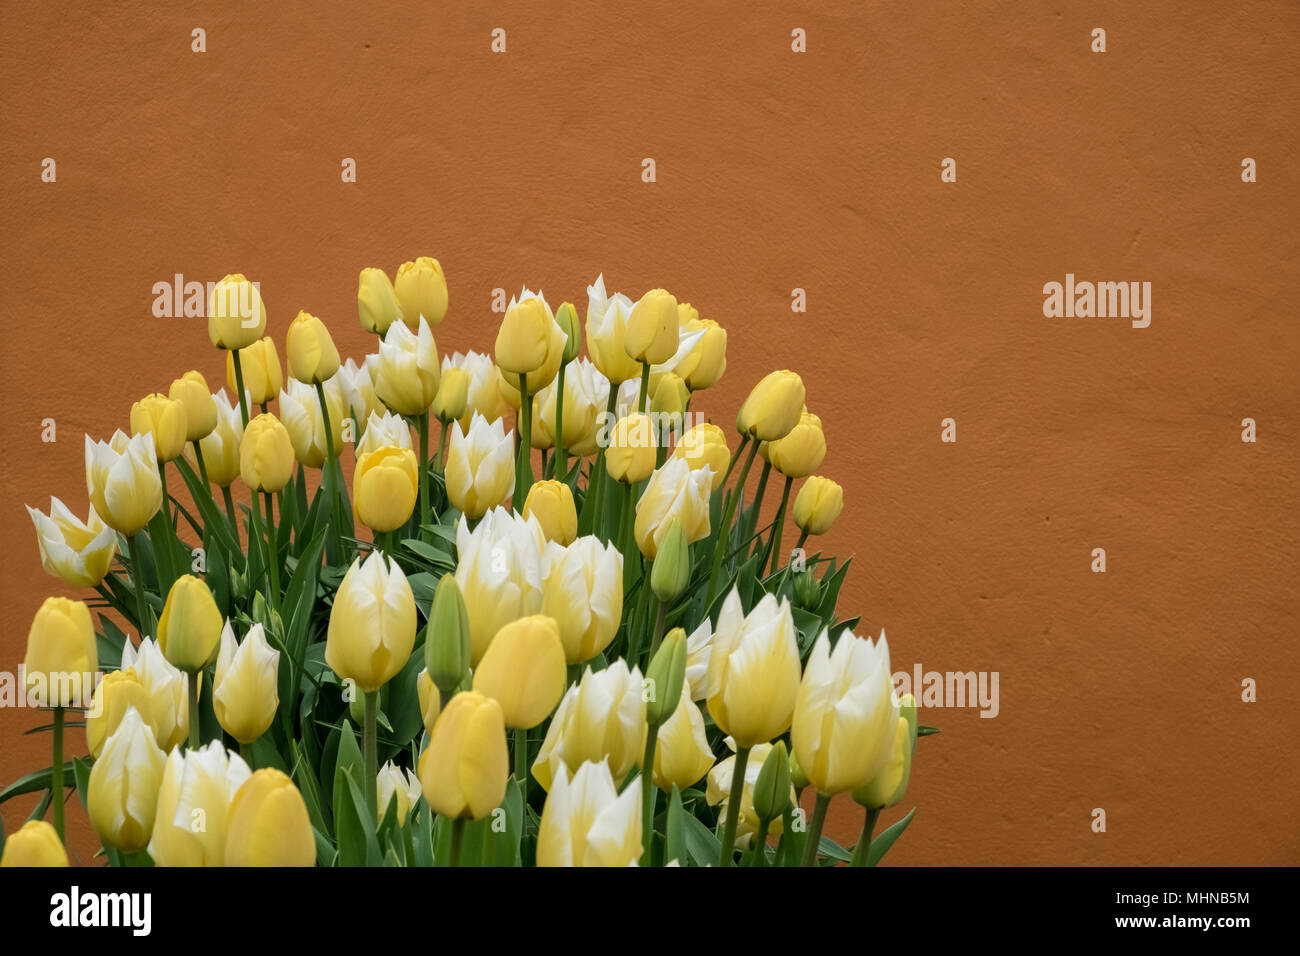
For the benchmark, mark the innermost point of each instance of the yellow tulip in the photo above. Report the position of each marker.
(800, 452)
(122, 795)
(674, 492)
(586, 392)
(887, 787)
(630, 456)
(268, 824)
(310, 350)
(586, 822)
(498, 573)
(607, 318)
(753, 670)
(551, 503)
(773, 407)
(718, 793)
(817, 505)
(220, 446)
(682, 752)
(300, 412)
(122, 480)
(704, 445)
(167, 687)
(163, 419)
(79, 552)
(191, 390)
(582, 591)
(421, 291)
(430, 701)
(601, 717)
(652, 329)
(707, 360)
(190, 627)
(397, 783)
(61, 658)
(236, 315)
(376, 300)
(116, 693)
(669, 399)
(479, 470)
(406, 373)
(35, 844)
(260, 364)
(525, 339)
(385, 484)
(372, 623)
(463, 771)
(524, 670)
(194, 804)
(453, 395)
(484, 393)
(266, 454)
(245, 691)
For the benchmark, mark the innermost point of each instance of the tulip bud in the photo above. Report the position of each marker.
(385, 484)
(464, 769)
(551, 503)
(802, 451)
(453, 395)
(671, 571)
(116, 693)
(376, 301)
(122, 480)
(245, 693)
(191, 390)
(671, 396)
(703, 445)
(807, 590)
(268, 824)
(260, 364)
(524, 670)
(705, 363)
(190, 627)
(266, 454)
(674, 493)
(665, 677)
(773, 407)
(310, 350)
(888, 786)
(772, 788)
(193, 805)
(421, 291)
(35, 844)
(652, 329)
(163, 419)
(587, 822)
(447, 645)
(397, 783)
(798, 779)
(718, 792)
(372, 623)
(61, 655)
(566, 317)
(236, 316)
(630, 457)
(525, 337)
(430, 701)
(122, 795)
(817, 505)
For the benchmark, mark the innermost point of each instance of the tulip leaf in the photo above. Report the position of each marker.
(924, 731)
(41, 806)
(702, 846)
(81, 774)
(109, 643)
(833, 851)
(423, 835)
(325, 852)
(881, 844)
(503, 841)
(675, 835)
(349, 827)
(364, 824)
(38, 780)
(406, 720)
(214, 522)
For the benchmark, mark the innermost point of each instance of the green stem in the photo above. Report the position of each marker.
(457, 832)
(192, 687)
(731, 464)
(863, 849)
(648, 793)
(661, 619)
(733, 807)
(422, 426)
(815, 830)
(198, 457)
(164, 549)
(561, 459)
(132, 556)
(596, 483)
(645, 387)
(239, 386)
(440, 463)
(774, 542)
(230, 509)
(272, 552)
(524, 465)
(56, 773)
(626, 517)
(724, 529)
(369, 752)
(783, 844)
(752, 524)
(327, 469)
(759, 857)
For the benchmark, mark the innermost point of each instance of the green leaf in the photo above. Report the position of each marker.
(35, 781)
(502, 847)
(675, 846)
(41, 806)
(924, 731)
(349, 827)
(833, 851)
(881, 844)
(325, 852)
(81, 774)
(702, 847)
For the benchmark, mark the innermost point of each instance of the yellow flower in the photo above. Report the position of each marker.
(524, 670)
(421, 291)
(266, 454)
(585, 393)
(479, 470)
(582, 591)
(586, 822)
(607, 332)
(484, 394)
(300, 411)
(652, 329)
(310, 350)
(268, 824)
(220, 446)
(78, 552)
(718, 793)
(397, 783)
(190, 627)
(236, 315)
(193, 806)
(887, 787)
(245, 691)
(551, 503)
(163, 419)
(61, 656)
(529, 343)
(453, 395)
(682, 752)
(372, 623)
(260, 364)
(673, 492)
(707, 360)
(430, 701)
(376, 300)
(802, 451)
(817, 505)
(753, 670)
(191, 390)
(630, 457)
(499, 574)
(773, 407)
(167, 687)
(669, 398)
(122, 795)
(122, 481)
(704, 445)
(601, 717)
(35, 844)
(385, 485)
(118, 691)
(406, 373)
(463, 771)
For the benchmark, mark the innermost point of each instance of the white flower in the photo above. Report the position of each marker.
(480, 467)
(79, 552)
(499, 573)
(384, 430)
(582, 589)
(586, 822)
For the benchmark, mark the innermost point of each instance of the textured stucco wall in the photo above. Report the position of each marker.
(775, 170)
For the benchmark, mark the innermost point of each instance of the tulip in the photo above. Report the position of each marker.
(800, 452)
(372, 623)
(887, 787)
(682, 752)
(189, 630)
(385, 485)
(376, 300)
(630, 455)
(773, 407)
(245, 692)
(421, 291)
(772, 786)
(122, 794)
(354, 393)
(193, 804)
(236, 315)
(479, 469)
(720, 791)
(400, 785)
(260, 365)
(310, 350)
(705, 445)
(652, 329)
(266, 454)
(118, 691)
(300, 411)
(582, 591)
(817, 505)
(484, 394)
(753, 670)
(551, 503)
(122, 481)
(601, 717)
(268, 824)
(586, 392)
(586, 822)
(220, 446)
(607, 318)
(384, 430)
(448, 646)
(674, 493)
(699, 648)
(529, 343)
(669, 398)
(191, 390)
(35, 844)
(430, 701)
(707, 360)
(406, 373)
(671, 571)
(463, 771)
(78, 552)
(452, 399)
(499, 573)
(61, 658)
(524, 670)
(167, 688)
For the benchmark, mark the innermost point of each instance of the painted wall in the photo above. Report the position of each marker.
(775, 171)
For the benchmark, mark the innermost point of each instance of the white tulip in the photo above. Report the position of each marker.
(168, 690)
(406, 372)
(499, 573)
(122, 481)
(79, 552)
(586, 822)
(582, 589)
(245, 691)
(384, 430)
(673, 491)
(601, 717)
(193, 804)
(300, 412)
(400, 783)
(221, 445)
(480, 466)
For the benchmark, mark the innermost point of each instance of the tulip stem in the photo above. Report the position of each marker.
(57, 779)
(440, 463)
(596, 481)
(422, 425)
(272, 551)
(457, 831)
(164, 547)
(733, 806)
(774, 543)
(759, 857)
(724, 529)
(661, 620)
(814, 836)
(134, 569)
(230, 510)
(192, 688)
(560, 463)
(744, 440)
(752, 523)
(255, 514)
(627, 514)
(863, 849)
(239, 386)
(198, 457)
(327, 469)
(524, 464)
(648, 793)
(645, 387)
(368, 752)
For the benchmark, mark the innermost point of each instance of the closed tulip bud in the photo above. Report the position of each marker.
(666, 677)
(601, 717)
(652, 328)
(191, 390)
(310, 350)
(817, 505)
(35, 844)
(845, 715)
(630, 456)
(122, 795)
(464, 769)
(772, 786)
(607, 332)
(163, 420)
(79, 552)
(753, 670)
(707, 360)
(682, 751)
(61, 658)
(524, 670)
(266, 454)
(484, 395)
(453, 395)
(807, 590)
(674, 493)
(122, 481)
(372, 624)
(421, 291)
(377, 305)
(399, 788)
(887, 787)
(236, 315)
(582, 590)
(447, 648)
(300, 412)
(524, 339)
(268, 823)
(773, 407)
(718, 792)
(116, 693)
(671, 571)
(167, 687)
(189, 630)
(551, 503)
(705, 445)
(499, 573)
(802, 451)
(566, 317)
(430, 701)
(480, 466)
(407, 372)
(245, 693)
(385, 484)
(587, 822)
(193, 804)
(260, 364)
(671, 396)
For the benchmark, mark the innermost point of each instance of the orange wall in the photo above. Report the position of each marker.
(775, 171)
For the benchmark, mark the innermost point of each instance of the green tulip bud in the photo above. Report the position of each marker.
(772, 788)
(447, 644)
(566, 317)
(807, 590)
(666, 675)
(671, 571)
